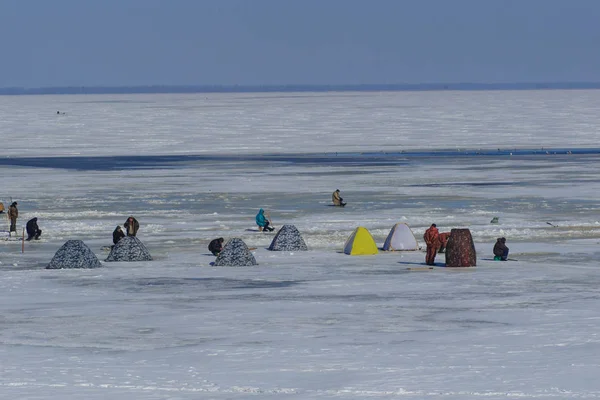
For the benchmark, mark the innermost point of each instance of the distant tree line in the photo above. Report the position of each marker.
(294, 88)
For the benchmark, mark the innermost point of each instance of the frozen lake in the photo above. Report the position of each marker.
(316, 324)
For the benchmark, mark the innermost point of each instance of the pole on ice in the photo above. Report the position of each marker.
(23, 242)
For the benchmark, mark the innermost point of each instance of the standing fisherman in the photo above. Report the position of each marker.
(13, 214)
(131, 226)
(432, 241)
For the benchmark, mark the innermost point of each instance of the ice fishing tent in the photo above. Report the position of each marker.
(74, 254)
(235, 254)
(460, 249)
(129, 248)
(400, 238)
(288, 239)
(360, 243)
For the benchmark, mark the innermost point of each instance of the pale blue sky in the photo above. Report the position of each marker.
(265, 42)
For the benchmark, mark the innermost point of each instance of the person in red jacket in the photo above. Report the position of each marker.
(431, 239)
(443, 238)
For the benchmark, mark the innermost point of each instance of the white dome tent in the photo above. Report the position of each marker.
(400, 238)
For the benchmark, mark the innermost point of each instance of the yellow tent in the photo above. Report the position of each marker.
(360, 243)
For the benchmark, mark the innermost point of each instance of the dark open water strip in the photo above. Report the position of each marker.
(292, 88)
(108, 163)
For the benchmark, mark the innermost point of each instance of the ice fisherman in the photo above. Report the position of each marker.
(432, 240)
(1, 207)
(336, 198)
(131, 226)
(118, 234)
(443, 239)
(500, 250)
(33, 230)
(216, 246)
(263, 222)
(13, 214)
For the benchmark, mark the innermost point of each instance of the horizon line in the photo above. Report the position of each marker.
(290, 88)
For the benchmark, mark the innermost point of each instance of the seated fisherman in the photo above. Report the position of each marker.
(500, 250)
(216, 246)
(336, 198)
(263, 222)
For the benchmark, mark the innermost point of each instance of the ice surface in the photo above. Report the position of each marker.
(309, 324)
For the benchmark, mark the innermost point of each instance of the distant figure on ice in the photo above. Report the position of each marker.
(118, 234)
(500, 250)
(13, 214)
(336, 198)
(33, 230)
(431, 239)
(443, 239)
(215, 246)
(263, 222)
(1, 207)
(131, 226)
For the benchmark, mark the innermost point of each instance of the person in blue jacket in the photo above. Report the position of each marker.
(263, 222)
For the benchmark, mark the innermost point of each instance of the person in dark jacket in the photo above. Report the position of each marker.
(500, 250)
(431, 239)
(13, 214)
(216, 246)
(118, 234)
(131, 226)
(33, 230)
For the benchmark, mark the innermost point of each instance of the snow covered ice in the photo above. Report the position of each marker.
(307, 324)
